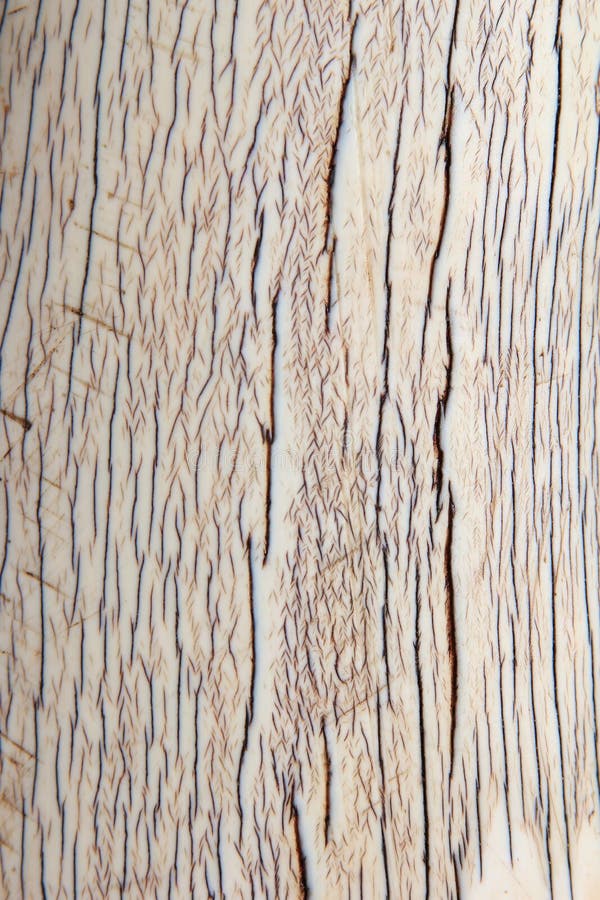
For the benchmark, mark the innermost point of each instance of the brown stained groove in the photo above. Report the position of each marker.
(443, 402)
(175, 109)
(42, 604)
(445, 142)
(20, 420)
(385, 355)
(438, 454)
(422, 736)
(107, 237)
(478, 803)
(233, 33)
(388, 252)
(18, 809)
(28, 141)
(300, 855)
(438, 450)
(97, 104)
(553, 600)
(46, 583)
(455, 867)
(340, 119)
(382, 818)
(330, 282)
(255, 258)
(583, 505)
(384, 622)
(327, 760)
(13, 295)
(558, 48)
(249, 716)
(451, 624)
(502, 723)
(5, 737)
(269, 434)
(125, 38)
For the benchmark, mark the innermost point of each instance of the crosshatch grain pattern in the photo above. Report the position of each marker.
(299, 336)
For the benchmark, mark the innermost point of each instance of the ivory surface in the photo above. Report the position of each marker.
(299, 488)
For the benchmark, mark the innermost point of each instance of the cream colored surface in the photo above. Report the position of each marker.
(299, 492)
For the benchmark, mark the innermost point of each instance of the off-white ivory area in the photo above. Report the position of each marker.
(299, 449)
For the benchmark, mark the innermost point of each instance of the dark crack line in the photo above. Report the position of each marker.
(385, 354)
(340, 121)
(301, 856)
(558, 48)
(422, 736)
(249, 716)
(451, 626)
(269, 435)
(445, 143)
(327, 812)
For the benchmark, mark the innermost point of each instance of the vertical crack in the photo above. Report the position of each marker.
(445, 143)
(336, 141)
(384, 621)
(385, 355)
(422, 735)
(269, 433)
(558, 48)
(255, 258)
(451, 625)
(249, 718)
(382, 819)
(327, 760)
(300, 855)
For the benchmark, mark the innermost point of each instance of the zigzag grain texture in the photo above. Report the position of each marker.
(299, 488)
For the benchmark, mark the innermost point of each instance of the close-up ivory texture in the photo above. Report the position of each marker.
(299, 442)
